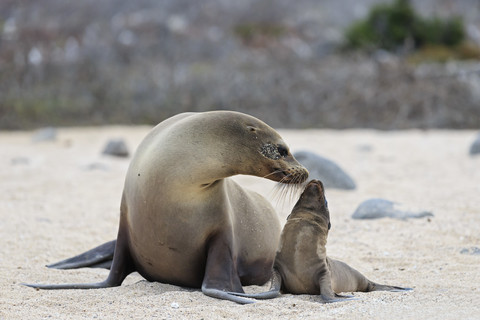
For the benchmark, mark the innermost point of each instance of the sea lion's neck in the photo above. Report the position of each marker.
(307, 216)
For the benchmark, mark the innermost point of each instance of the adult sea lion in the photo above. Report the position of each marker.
(183, 221)
(301, 264)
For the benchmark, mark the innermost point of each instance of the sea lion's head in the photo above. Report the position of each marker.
(271, 156)
(252, 147)
(313, 201)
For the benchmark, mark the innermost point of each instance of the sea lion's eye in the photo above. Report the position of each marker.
(283, 151)
(270, 151)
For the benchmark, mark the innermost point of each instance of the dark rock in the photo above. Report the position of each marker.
(117, 148)
(325, 170)
(475, 251)
(45, 134)
(380, 208)
(475, 147)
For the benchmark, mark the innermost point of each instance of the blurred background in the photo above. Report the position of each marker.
(393, 64)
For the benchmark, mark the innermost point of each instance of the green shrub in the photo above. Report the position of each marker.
(435, 31)
(390, 26)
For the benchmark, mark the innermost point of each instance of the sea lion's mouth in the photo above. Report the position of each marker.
(291, 175)
(314, 184)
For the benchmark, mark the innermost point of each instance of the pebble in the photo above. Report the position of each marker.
(377, 208)
(45, 134)
(474, 251)
(475, 147)
(117, 148)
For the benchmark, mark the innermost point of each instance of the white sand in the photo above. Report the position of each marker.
(52, 207)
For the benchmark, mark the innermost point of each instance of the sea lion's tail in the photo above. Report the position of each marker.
(98, 257)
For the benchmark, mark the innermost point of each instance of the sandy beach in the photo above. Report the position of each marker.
(62, 197)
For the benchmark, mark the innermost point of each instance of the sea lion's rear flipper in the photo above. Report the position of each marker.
(273, 292)
(122, 266)
(381, 287)
(221, 273)
(99, 257)
(96, 285)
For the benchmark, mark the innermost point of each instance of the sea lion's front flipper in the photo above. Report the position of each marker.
(336, 298)
(99, 257)
(224, 295)
(326, 292)
(273, 292)
(221, 276)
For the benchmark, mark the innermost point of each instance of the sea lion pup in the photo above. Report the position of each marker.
(301, 264)
(183, 221)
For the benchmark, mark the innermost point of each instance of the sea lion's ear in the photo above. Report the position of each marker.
(251, 128)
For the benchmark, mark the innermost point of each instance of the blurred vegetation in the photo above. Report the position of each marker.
(443, 54)
(96, 62)
(257, 34)
(397, 26)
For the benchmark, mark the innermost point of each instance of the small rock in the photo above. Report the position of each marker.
(45, 134)
(117, 148)
(19, 161)
(475, 251)
(325, 170)
(96, 166)
(364, 148)
(381, 208)
(42, 219)
(175, 305)
(475, 147)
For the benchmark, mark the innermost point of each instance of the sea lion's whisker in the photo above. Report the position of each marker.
(272, 173)
(287, 191)
(278, 191)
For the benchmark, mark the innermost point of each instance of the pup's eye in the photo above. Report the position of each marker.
(283, 151)
(326, 203)
(329, 225)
